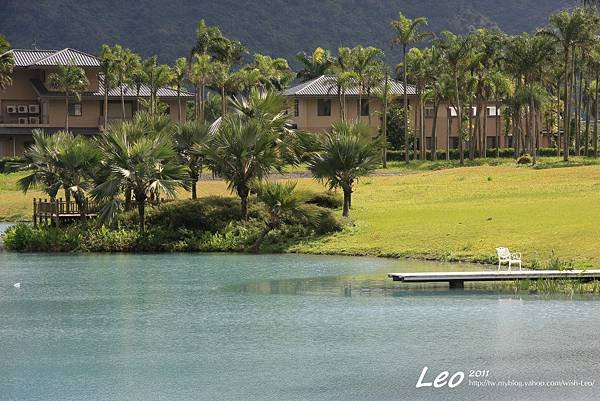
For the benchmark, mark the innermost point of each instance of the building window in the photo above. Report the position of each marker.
(428, 112)
(75, 109)
(453, 142)
(324, 107)
(491, 142)
(296, 107)
(452, 112)
(364, 107)
(428, 143)
(493, 111)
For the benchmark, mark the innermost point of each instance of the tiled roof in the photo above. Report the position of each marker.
(128, 92)
(49, 58)
(326, 85)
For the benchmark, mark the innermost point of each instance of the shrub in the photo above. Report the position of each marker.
(524, 159)
(5, 161)
(329, 200)
(211, 214)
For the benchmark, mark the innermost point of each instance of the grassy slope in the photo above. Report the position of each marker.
(460, 213)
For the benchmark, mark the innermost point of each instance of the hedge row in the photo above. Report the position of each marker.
(398, 155)
(6, 160)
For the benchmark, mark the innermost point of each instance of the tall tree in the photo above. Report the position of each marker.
(314, 65)
(124, 61)
(71, 80)
(569, 30)
(201, 71)
(180, 70)
(406, 33)
(107, 66)
(7, 63)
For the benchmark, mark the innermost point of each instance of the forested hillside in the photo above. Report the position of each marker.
(276, 27)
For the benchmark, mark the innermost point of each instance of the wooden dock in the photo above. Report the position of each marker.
(457, 279)
(57, 211)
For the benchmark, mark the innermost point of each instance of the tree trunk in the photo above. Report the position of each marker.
(202, 114)
(566, 134)
(122, 98)
(179, 103)
(497, 121)
(484, 134)
(194, 188)
(587, 127)
(385, 111)
(406, 158)
(141, 205)
(422, 127)
(243, 194)
(66, 112)
(436, 106)
(448, 127)
(105, 101)
(558, 136)
(223, 102)
(596, 116)
(532, 131)
(255, 248)
(347, 202)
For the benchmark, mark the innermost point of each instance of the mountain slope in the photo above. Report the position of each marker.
(276, 27)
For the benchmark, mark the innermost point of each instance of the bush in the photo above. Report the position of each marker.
(525, 159)
(4, 161)
(211, 214)
(329, 200)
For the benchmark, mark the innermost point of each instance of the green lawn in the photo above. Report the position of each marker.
(452, 214)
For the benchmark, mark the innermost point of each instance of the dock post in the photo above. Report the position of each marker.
(456, 284)
(34, 213)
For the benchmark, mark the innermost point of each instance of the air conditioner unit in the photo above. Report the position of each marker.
(34, 120)
(22, 108)
(23, 120)
(11, 109)
(34, 109)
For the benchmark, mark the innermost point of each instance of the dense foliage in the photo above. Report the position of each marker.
(275, 27)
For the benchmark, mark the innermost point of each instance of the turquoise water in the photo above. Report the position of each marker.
(274, 327)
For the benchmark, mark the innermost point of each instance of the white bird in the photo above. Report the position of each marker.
(17, 285)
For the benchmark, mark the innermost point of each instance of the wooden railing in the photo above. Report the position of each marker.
(57, 211)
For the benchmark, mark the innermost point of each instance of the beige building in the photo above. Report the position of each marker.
(29, 103)
(316, 106)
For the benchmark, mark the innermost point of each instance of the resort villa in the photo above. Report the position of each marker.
(29, 103)
(316, 106)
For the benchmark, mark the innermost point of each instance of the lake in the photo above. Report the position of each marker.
(276, 327)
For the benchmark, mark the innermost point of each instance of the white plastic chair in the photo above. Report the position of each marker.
(505, 256)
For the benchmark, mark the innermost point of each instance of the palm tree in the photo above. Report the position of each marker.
(223, 79)
(140, 158)
(107, 66)
(344, 154)
(417, 62)
(282, 202)
(124, 61)
(158, 76)
(180, 70)
(243, 151)
(366, 64)
(408, 32)
(314, 65)
(569, 30)
(594, 64)
(200, 75)
(344, 77)
(71, 80)
(188, 137)
(7, 63)
(456, 53)
(271, 73)
(60, 161)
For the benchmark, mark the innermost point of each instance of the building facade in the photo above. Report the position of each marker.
(29, 103)
(316, 105)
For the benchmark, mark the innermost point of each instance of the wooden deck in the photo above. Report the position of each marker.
(57, 211)
(457, 279)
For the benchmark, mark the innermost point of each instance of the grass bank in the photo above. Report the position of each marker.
(459, 213)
